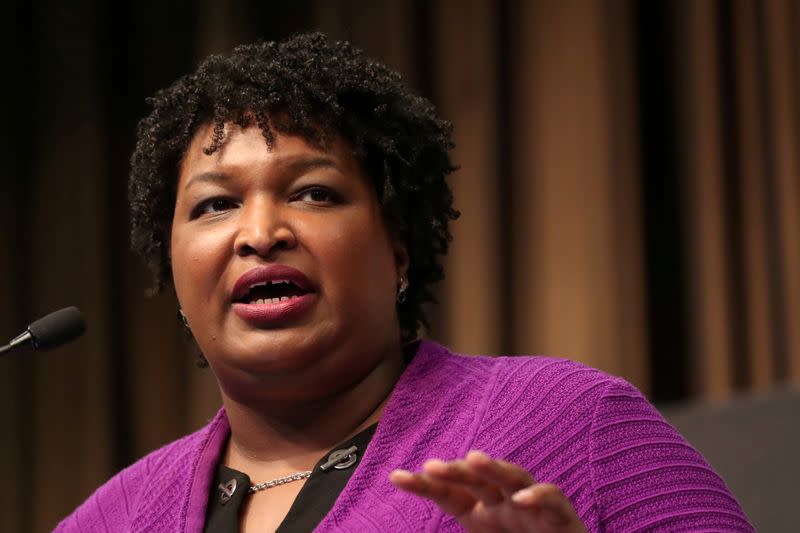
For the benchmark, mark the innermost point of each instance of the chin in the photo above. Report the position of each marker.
(280, 350)
(283, 368)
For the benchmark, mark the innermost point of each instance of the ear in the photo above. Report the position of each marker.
(401, 259)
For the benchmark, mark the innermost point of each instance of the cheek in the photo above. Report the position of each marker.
(357, 261)
(198, 260)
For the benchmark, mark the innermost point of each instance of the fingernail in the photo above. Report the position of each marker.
(435, 464)
(477, 455)
(400, 475)
(523, 496)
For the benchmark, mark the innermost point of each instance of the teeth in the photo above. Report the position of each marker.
(265, 283)
(264, 301)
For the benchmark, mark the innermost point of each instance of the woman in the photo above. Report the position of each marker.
(294, 194)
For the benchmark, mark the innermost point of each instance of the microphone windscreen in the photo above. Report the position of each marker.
(57, 328)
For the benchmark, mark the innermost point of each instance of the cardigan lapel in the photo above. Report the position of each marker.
(430, 413)
(175, 494)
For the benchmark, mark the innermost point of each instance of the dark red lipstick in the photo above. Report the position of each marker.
(272, 294)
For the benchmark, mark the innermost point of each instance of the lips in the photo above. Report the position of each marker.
(272, 274)
(273, 293)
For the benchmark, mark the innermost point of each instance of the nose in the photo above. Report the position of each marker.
(263, 229)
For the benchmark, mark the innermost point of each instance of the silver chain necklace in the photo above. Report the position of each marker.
(297, 476)
(339, 460)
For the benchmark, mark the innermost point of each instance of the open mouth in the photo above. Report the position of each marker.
(272, 292)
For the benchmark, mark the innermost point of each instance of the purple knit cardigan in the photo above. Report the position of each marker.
(623, 467)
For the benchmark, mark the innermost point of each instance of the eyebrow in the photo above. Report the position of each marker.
(294, 166)
(206, 177)
(303, 164)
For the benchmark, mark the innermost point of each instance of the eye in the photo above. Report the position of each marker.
(317, 195)
(212, 206)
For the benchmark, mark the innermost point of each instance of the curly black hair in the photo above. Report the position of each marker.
(316, 88)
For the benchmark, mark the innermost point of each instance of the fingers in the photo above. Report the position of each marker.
(453, 499)
(480, 477)
(463, 474)
(549, 502)
(482, 493)
(509, 477)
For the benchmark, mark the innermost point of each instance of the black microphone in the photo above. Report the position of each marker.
(53, 330)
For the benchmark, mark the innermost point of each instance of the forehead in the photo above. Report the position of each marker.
(247, 147)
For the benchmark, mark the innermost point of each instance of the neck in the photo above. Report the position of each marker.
(296, 433)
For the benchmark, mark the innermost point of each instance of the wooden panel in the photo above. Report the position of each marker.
(631, 359)
(219, 27)
(384, 30)
(68, 267)
(758, 308)
(708, 270)
(781, 47)
(159, 367)
(466, 69)
(569, 299)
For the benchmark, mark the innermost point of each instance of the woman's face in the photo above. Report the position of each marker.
(282, 264)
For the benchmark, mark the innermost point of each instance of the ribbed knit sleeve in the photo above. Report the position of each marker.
(596, 437)
(646, 477)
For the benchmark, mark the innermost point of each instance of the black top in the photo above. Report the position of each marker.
(313, 501)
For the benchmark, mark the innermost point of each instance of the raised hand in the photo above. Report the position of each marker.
(490, 495)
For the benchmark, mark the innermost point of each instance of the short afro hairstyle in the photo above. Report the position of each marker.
(310, 86)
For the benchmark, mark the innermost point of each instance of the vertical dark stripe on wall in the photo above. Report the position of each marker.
(275, 20)
(504, 48)
(794, 54)
(116, 88)
(421, 29)
(775, 255)
(665, 256)
(731, 169)
(21, 130)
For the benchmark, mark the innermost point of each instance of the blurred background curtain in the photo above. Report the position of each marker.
(629, 187)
